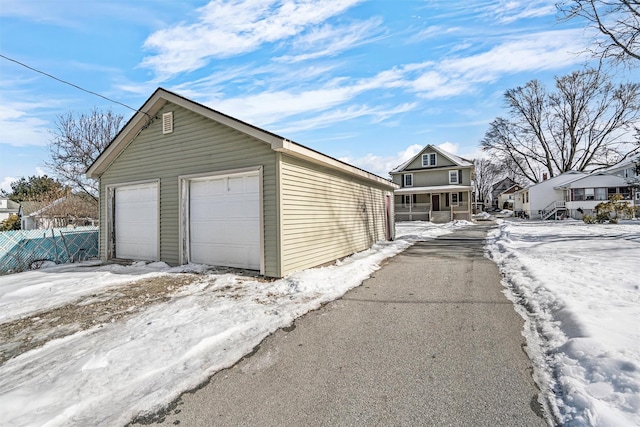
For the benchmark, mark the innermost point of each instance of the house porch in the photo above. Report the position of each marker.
(424, 204)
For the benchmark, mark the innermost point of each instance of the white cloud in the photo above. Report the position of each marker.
(6, 183)
(20, 127)
(229, 28)
(332, 117)
(273, 93)
(507, 11)
(381, 165)
(329, 41)
(449, 147)
(267, 107)
(540, 51)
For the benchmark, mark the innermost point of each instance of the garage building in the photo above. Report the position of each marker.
(183, 183)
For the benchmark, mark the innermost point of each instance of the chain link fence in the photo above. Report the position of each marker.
(25, 250)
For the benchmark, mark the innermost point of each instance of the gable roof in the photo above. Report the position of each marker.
(147, 114)
(506, 182)
(82, 206)
(612, 180)
(511, 189)
(457, 160)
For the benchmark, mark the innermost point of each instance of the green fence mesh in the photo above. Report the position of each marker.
(24, 250)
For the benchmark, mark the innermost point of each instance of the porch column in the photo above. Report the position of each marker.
(451, 205)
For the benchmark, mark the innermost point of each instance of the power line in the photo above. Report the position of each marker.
(73, 85)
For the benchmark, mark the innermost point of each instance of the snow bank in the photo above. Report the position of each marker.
(579, 291)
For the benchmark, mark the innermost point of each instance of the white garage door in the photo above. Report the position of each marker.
(136, 222)
(224, 220)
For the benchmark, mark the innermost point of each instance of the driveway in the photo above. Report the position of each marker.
(430, 340)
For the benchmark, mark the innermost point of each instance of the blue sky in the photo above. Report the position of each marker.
(369, 82)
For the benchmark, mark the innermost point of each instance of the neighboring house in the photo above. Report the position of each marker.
(630, 171)
(66, 211)
(567, 194)
(506, 199)
(8, 208)
(435, 186)
(499, 188)
(543, 200)
(183, 183)
(583, 194)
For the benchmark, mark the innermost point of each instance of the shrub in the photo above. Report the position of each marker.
(11, 223)
(613, 209)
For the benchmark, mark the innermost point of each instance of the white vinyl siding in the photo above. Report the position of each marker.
(326, 216)
(197, 145)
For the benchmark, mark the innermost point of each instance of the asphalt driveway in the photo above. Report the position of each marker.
(429, 341)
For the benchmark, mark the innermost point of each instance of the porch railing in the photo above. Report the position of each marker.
(412, 211)
(553, 208)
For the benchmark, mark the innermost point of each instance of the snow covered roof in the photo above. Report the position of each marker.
(599, 179)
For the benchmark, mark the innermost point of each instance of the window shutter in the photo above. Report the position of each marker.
(415, 198)
(459, 177)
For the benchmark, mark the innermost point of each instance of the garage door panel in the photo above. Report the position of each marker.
(224, 221)
(136, 222)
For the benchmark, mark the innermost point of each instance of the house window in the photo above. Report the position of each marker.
(408, 200)
(577, 194)
(408, 180)
(601, 194)
(429, 159)
(454, 199)
(589, 194)
(626, 193)
(453, 177)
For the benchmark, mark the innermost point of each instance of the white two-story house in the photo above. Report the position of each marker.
(435, 186)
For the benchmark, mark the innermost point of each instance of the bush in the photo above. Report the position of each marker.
(613, 209)
(11, 223)
(589, 219)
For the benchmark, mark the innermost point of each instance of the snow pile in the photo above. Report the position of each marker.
(483, 216)
(110, 373)
(43, 289)
(579, 289)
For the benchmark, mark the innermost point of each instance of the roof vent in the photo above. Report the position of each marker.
(167, 122)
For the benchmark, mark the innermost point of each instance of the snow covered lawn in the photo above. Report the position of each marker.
(154, 349)
(579, 287)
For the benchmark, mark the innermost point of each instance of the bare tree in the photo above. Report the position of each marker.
(77, 142)
(486, 173)
(618, 23)
(588, 123)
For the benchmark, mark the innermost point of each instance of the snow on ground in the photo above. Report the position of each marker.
(108, 374)
(44, 289)
(579, 289)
